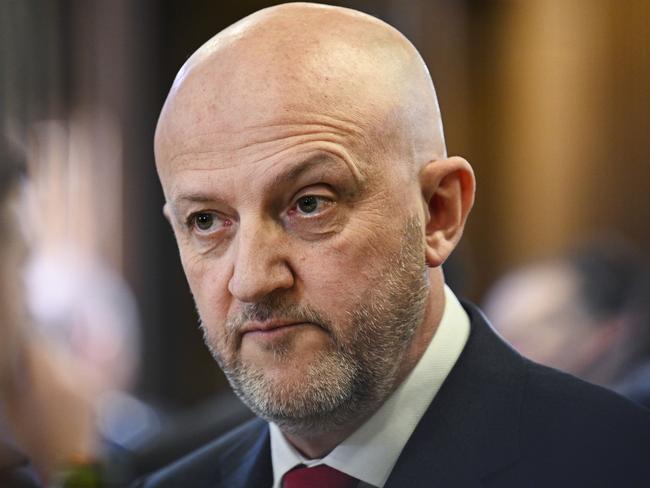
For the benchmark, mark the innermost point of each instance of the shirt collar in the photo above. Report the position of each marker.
(370, 453)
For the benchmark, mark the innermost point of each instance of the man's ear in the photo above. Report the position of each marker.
(448, 193)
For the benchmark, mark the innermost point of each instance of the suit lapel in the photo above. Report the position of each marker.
(471, 428)
(433, 460)
(254, 469)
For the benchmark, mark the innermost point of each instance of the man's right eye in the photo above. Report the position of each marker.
(206, 222)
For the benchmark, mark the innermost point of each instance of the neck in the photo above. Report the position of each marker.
(318, 445)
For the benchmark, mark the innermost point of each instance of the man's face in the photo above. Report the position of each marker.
(304, 251)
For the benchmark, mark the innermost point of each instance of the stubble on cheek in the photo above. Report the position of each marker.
(224, 345)
(290, 385)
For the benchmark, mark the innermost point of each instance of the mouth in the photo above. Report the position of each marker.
(268, 326)
(271, 330)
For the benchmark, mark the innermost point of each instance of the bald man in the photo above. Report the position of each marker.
(306, 180)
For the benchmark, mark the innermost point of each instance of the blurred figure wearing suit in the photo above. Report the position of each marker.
(585, 313)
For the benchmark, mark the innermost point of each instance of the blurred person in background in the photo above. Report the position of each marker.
(585, 313)
(67, 356)
(15, 469)
(45, 400)
(87, 314)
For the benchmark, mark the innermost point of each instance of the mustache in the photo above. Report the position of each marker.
(276, 308)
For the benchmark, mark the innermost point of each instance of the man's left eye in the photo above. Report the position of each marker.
(310, 204)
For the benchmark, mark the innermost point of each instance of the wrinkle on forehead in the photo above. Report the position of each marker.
(240, 139)
(264, 157)
(349, 68)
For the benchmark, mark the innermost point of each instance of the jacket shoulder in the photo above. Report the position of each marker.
(559, 404)
(579, 431)
(212, 463)
(538, 426)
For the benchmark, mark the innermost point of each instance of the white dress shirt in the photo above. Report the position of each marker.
(370, 453)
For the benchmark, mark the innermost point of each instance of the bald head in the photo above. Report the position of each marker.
(337, 65)
(303, 164)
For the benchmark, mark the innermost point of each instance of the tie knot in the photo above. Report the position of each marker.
(321, 476)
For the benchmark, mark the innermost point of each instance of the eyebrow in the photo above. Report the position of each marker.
(175, 204)
(196, 197)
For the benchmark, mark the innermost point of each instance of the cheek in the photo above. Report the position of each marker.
(339, 274)
(208, 283)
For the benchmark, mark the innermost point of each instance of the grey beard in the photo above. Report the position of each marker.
(351, 380)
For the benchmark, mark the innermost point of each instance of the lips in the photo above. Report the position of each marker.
(267, 326)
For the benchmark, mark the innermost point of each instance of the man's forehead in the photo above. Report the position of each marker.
(207, 183)
(260, 121)
(234, 93)
(231, 143)
(328, 68)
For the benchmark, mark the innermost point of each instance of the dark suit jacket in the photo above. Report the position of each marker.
(499, 420)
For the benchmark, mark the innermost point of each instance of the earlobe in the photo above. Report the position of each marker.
(448, 195)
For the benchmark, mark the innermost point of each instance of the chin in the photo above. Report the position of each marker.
(328, 392)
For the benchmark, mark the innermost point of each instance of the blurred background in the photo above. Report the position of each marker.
(547, 99)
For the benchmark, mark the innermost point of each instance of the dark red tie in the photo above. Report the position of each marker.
(317, 477)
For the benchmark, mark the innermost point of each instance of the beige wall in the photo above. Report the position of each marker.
(554, 119)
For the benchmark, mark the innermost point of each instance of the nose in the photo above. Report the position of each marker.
(260, 263)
